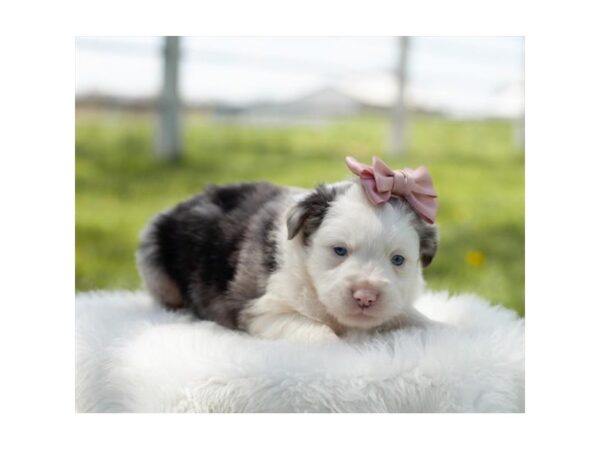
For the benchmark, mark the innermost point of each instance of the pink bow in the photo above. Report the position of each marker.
(380, 183)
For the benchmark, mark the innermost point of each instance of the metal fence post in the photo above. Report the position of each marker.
(168, 139)
(398, 131)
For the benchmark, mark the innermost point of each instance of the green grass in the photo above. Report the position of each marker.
(477, 172)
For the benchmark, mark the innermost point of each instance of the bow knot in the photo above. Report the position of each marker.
(380, 183)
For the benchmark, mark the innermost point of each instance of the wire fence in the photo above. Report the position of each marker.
(450, 52)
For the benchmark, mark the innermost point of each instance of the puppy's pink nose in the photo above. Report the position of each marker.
(365, 296)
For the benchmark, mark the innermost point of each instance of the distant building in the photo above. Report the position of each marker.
(317, 106)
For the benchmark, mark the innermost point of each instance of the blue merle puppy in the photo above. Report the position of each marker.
(279, 262)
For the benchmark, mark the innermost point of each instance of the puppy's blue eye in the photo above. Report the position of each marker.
(397, 260)
(340, 251)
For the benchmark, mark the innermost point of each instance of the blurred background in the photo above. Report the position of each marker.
(158, 118)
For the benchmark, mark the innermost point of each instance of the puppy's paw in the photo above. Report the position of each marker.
(320, 335)
(410, 318)
(292, 327)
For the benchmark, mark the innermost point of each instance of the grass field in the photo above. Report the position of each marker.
(477, 172)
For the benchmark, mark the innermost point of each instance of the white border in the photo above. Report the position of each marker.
(36, 176)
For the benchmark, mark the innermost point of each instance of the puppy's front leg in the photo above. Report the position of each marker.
(291, 326)
(409, 318)
(412, 317)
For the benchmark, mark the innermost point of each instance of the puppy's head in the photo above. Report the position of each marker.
(364, 261)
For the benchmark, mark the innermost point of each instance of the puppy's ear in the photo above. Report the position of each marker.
(308, 214)
(428, 242)
(295, 220)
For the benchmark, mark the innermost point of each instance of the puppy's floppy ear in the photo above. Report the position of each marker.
(307, 214)
(295, 220)
(428, 242)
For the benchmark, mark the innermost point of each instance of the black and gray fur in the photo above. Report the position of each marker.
(214, 253)
(308, 214)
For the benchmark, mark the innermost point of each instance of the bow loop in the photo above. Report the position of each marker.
(380, 183)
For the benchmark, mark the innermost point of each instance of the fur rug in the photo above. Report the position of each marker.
(133, 356)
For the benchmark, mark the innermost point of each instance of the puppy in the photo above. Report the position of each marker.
(288, 263)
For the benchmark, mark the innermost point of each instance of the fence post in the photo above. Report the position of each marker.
(168, 139)
(399, 113)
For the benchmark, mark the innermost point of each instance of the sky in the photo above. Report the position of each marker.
(461, 75)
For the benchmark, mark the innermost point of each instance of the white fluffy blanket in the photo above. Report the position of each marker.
(133, 356)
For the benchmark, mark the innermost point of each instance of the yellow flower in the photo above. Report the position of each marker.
(475, 258)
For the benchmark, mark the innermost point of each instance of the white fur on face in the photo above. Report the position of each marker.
(372, 235)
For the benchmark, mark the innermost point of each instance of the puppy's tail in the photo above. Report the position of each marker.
(153, 271)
